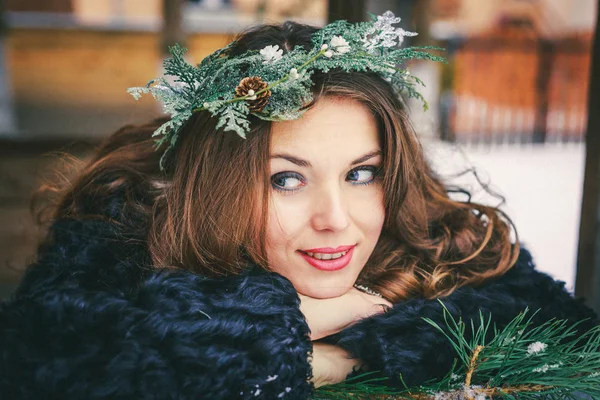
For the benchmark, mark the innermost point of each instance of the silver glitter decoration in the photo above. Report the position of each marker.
(365, 289)
(382, 33)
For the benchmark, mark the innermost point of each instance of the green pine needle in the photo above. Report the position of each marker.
(520, 361)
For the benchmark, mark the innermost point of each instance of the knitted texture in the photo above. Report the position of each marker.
(92, 319)
(91, 322)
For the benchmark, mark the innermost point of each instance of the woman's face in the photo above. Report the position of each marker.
(326, 210)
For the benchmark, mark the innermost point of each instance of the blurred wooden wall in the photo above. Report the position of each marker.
(73, 82)
(69, 92)
(510, 84)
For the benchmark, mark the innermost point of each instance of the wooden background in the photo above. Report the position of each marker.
(69, 90)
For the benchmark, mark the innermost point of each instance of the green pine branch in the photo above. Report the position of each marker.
(521, 361)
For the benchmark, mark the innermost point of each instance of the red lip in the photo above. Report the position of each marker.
(329, 250)
(329, 265)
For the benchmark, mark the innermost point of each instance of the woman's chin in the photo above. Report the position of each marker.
(324, 292)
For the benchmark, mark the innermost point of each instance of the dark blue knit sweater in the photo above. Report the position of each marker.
(93, 320)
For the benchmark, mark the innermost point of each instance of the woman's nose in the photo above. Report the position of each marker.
(330, 211)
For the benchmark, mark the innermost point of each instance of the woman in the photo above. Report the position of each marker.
(262, 267)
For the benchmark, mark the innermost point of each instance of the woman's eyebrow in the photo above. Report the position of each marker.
(366, 157)
(298, 161)
(303, 163)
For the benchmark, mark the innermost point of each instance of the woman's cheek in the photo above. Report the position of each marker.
(285, 225)
(291, 213)
(369, 209)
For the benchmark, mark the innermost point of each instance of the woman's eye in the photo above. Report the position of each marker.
(362, 174)
(287, 181)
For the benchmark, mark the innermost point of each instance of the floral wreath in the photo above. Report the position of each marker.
(274, 86)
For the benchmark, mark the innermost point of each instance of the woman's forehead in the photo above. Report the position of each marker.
(332, 124)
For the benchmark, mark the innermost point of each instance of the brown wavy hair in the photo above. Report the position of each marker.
(207, 211)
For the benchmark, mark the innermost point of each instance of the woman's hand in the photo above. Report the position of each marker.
(328, 316)
(331, 364)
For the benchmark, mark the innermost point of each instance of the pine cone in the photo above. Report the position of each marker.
(254, 83)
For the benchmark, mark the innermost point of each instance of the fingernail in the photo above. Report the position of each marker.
(386, 308)
(381, 308)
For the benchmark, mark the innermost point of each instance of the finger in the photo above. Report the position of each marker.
(331, 364)
(374, 299)
(381, 309)
(326, 317)
(323, 316)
